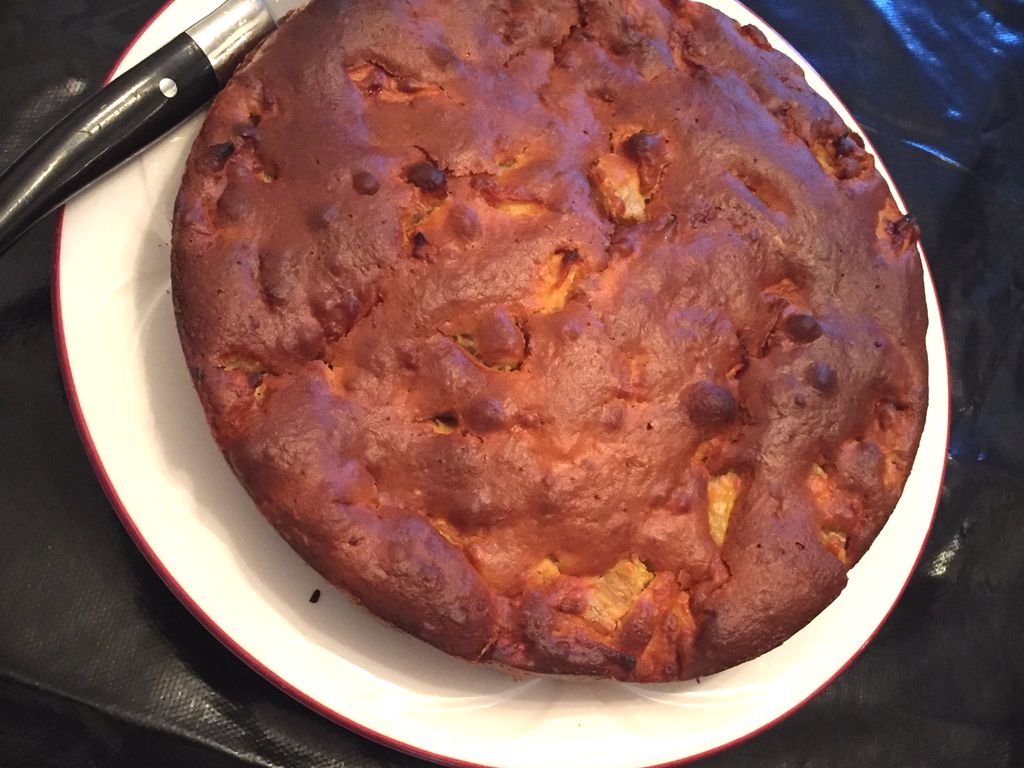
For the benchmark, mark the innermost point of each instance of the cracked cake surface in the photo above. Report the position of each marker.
(579, 337)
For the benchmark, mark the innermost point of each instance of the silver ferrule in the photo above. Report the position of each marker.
(230, 32)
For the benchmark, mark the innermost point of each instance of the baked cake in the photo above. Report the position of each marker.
(577, 337)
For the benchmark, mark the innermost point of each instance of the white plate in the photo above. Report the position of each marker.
(147, 436)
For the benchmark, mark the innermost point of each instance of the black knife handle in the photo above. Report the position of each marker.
(131, 112)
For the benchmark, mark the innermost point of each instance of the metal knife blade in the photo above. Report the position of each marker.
(231, 31)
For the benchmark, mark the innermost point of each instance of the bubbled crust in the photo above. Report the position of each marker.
(577, 337)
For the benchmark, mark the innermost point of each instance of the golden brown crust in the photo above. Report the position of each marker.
(581, 337)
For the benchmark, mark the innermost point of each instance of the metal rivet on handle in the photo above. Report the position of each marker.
(168, 88)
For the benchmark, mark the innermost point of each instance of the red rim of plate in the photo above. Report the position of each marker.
(266, 672)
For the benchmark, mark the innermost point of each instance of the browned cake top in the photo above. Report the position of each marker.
(577, 336)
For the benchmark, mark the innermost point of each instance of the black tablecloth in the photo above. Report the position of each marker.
(100, 665)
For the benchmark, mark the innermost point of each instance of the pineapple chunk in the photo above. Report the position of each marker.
(722, 493)
(617, 186)
(519, 207)
(375, 81)
(818, 485)
(835, 542)
(468, 343)
(546, 570)
(444, 423)
(615, 592)
(239, 363)
(447, 530)
(557, 276)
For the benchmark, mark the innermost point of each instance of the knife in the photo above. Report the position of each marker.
(132, 111)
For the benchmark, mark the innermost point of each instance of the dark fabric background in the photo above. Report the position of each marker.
(100, 665)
